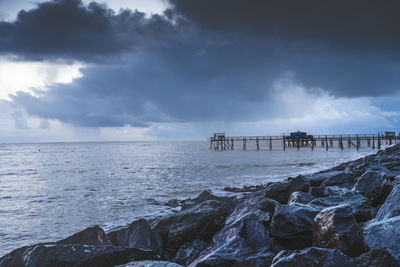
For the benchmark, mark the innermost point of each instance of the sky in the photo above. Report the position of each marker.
(121, 70)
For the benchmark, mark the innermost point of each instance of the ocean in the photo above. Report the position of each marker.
(51, 190)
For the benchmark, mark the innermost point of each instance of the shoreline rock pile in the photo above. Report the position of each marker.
(345, 216)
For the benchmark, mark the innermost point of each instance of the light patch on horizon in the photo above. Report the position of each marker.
(24, 75)
(9, 11)
(149, 7)
(309, 109)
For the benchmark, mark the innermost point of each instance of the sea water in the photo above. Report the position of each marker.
(51, 190)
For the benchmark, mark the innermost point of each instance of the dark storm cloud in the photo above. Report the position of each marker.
(364, 23)
(205, 60)
(68, 29)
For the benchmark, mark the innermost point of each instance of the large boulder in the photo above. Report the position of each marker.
(358, 203)
(150, 264)
(339, 178)
(137, 235)
(336, 228)
(259, 201)
(293, 225)
(312, 257)
(203, 196)
(244, 241)
(300, 198)
(391, 207)
(188, 252)
(377, 258)
(16, 257)
(384, 234)
(201, 221)
(90, 236)
(281, 191)
(375, 185)
(82, 255)
(369, 183)
(332, 177)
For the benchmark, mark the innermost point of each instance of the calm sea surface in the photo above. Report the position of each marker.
(65, 187)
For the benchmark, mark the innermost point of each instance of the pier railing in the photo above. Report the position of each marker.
(342, 141)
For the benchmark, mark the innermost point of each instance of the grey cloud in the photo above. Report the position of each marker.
(68, 29)
(204, 60)
(361, 24)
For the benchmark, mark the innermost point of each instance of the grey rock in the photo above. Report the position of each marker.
(203, 196)
(300, 198)
(336, 228)
(391, 207)
(90, 236)
(377, 258)
(340, 178)
(201, 221)
(173, 203)
(281, 191)
(316, 179)
(259, 201)
(333, 191)
(312, 257)
(369, 183)
(384, 234)
(150, 264)
(359, 204)
(188, 252)
(244, 241)
(137, 235)
(82, 255)
(15, 257)
(317, 192)
(293, 225)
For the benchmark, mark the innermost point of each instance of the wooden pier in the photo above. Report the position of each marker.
(344, 141)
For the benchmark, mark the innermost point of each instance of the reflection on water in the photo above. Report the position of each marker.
(63, 188)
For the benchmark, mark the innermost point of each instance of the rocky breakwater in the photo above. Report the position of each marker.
(345, 216)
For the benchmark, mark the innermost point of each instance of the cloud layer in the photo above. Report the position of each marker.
(212, 62)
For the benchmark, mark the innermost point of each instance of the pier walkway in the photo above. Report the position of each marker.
(374, 141)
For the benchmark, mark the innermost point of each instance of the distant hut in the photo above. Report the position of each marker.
(298, 134)
(390, 134)
(219, 136)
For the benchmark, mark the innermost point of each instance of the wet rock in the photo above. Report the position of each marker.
(199, 222)
(173, 203)
(381, 194)
(317, 192)
(336, 228)
(311, 257)
(300, 198)
(190, 251)
(150, 264)
(293, 225)
(259, 201)
(137, 235)
(368, 183)
(203, 196)
(316, 179)
(15, 258)
(82, 255)
(244, 189)
(90, 236)
(333, 191)
(391, 207)
(244, 241)
(339, 178)
(281, 191)
(377, 258)
(359, 204)
(384, 234)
